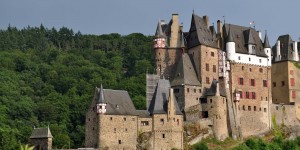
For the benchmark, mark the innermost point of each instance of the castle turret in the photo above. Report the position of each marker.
(278, 55)
(267, 49)
(230, 46)
(101, 105)
(295, 51)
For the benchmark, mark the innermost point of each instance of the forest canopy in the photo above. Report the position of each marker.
(48, 77)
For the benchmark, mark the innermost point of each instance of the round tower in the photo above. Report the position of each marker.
(230, 46)
(267, 49)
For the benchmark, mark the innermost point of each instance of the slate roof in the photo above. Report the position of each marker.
(243, 36)
(213, 89)
(159, 29)
(185, 73)
(159, 102)
(200, 33)
(286, 47)
(143, 113)
(41, 133)
(118, 102)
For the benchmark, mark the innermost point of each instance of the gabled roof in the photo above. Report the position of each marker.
(185, 73)
(118, 102)
(286, 47)
(200, 33)
(213, 89)
(159, 102)
(41, 133)
(242, 36)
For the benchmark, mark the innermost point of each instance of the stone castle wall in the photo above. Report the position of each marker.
(253, 111)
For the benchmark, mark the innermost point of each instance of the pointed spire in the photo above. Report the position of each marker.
(266, 41)
(182, 44)
(230, 36)
(101, 95)
(250, 39)
(159, 32)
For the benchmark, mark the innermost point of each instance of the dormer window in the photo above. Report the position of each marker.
(253, 47)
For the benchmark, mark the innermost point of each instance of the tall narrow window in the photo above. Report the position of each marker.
(214, 68)
(265, 83)
(293, 94)
(247, 95)
(241, 94)
(212, 54)
(207, 80)
(241, 81)
(292, 80)
(252, 82)
(253, 95)
(207, 67)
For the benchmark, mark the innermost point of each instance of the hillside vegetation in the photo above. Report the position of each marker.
(48, 77)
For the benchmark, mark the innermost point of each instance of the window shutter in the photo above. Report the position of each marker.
(239, 81)
(250, 95)
(254, 81)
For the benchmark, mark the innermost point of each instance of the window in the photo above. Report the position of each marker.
(120, 142)
(252, 82)
(214, 68)
(241, 81)
(176, 90)
(162, 121)
(260, 70)
(199, 90)
(276, 107)
(265, 83)
(293, 94)
(204, 114)
(274, 84)
(242, 67)
(291, 72)
(259, 60)
(249, 108)
(188, 90)
(207, 80)
(292, 80)
(254, 108)
(195, 90)
(163, 136)
(210, 100)
(241, 94)
(239, 57)
(115, 130)
(249, 59)
(265, 109)
(124, 119)
(247, 95)
(282, 83)
(178, 122)
(212, 54)
(253, 95)
(144, 123)
(110, 118)
(250, 69)
(203, 100)
(207, 67)
(243, 107)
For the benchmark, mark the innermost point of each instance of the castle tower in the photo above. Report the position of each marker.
(230, 46)
(267, 49)
(167, 46)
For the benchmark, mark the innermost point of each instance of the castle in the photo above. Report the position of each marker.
(230, 82)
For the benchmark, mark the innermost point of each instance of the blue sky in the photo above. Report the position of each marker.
(278, 17)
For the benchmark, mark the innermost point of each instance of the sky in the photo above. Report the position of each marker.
(98, 17)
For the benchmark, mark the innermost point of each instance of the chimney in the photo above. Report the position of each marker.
(278, 55)
(295, 48)
(217, 88)
(206, 20)
(259, 34)
(219, 27)
(174, 31)
(171, 106)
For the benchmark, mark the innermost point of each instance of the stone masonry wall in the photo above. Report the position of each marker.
(167, 134)
(91, 126)
(118, 132)
(253, 111)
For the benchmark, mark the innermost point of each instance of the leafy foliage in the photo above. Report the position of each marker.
(48, 77)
